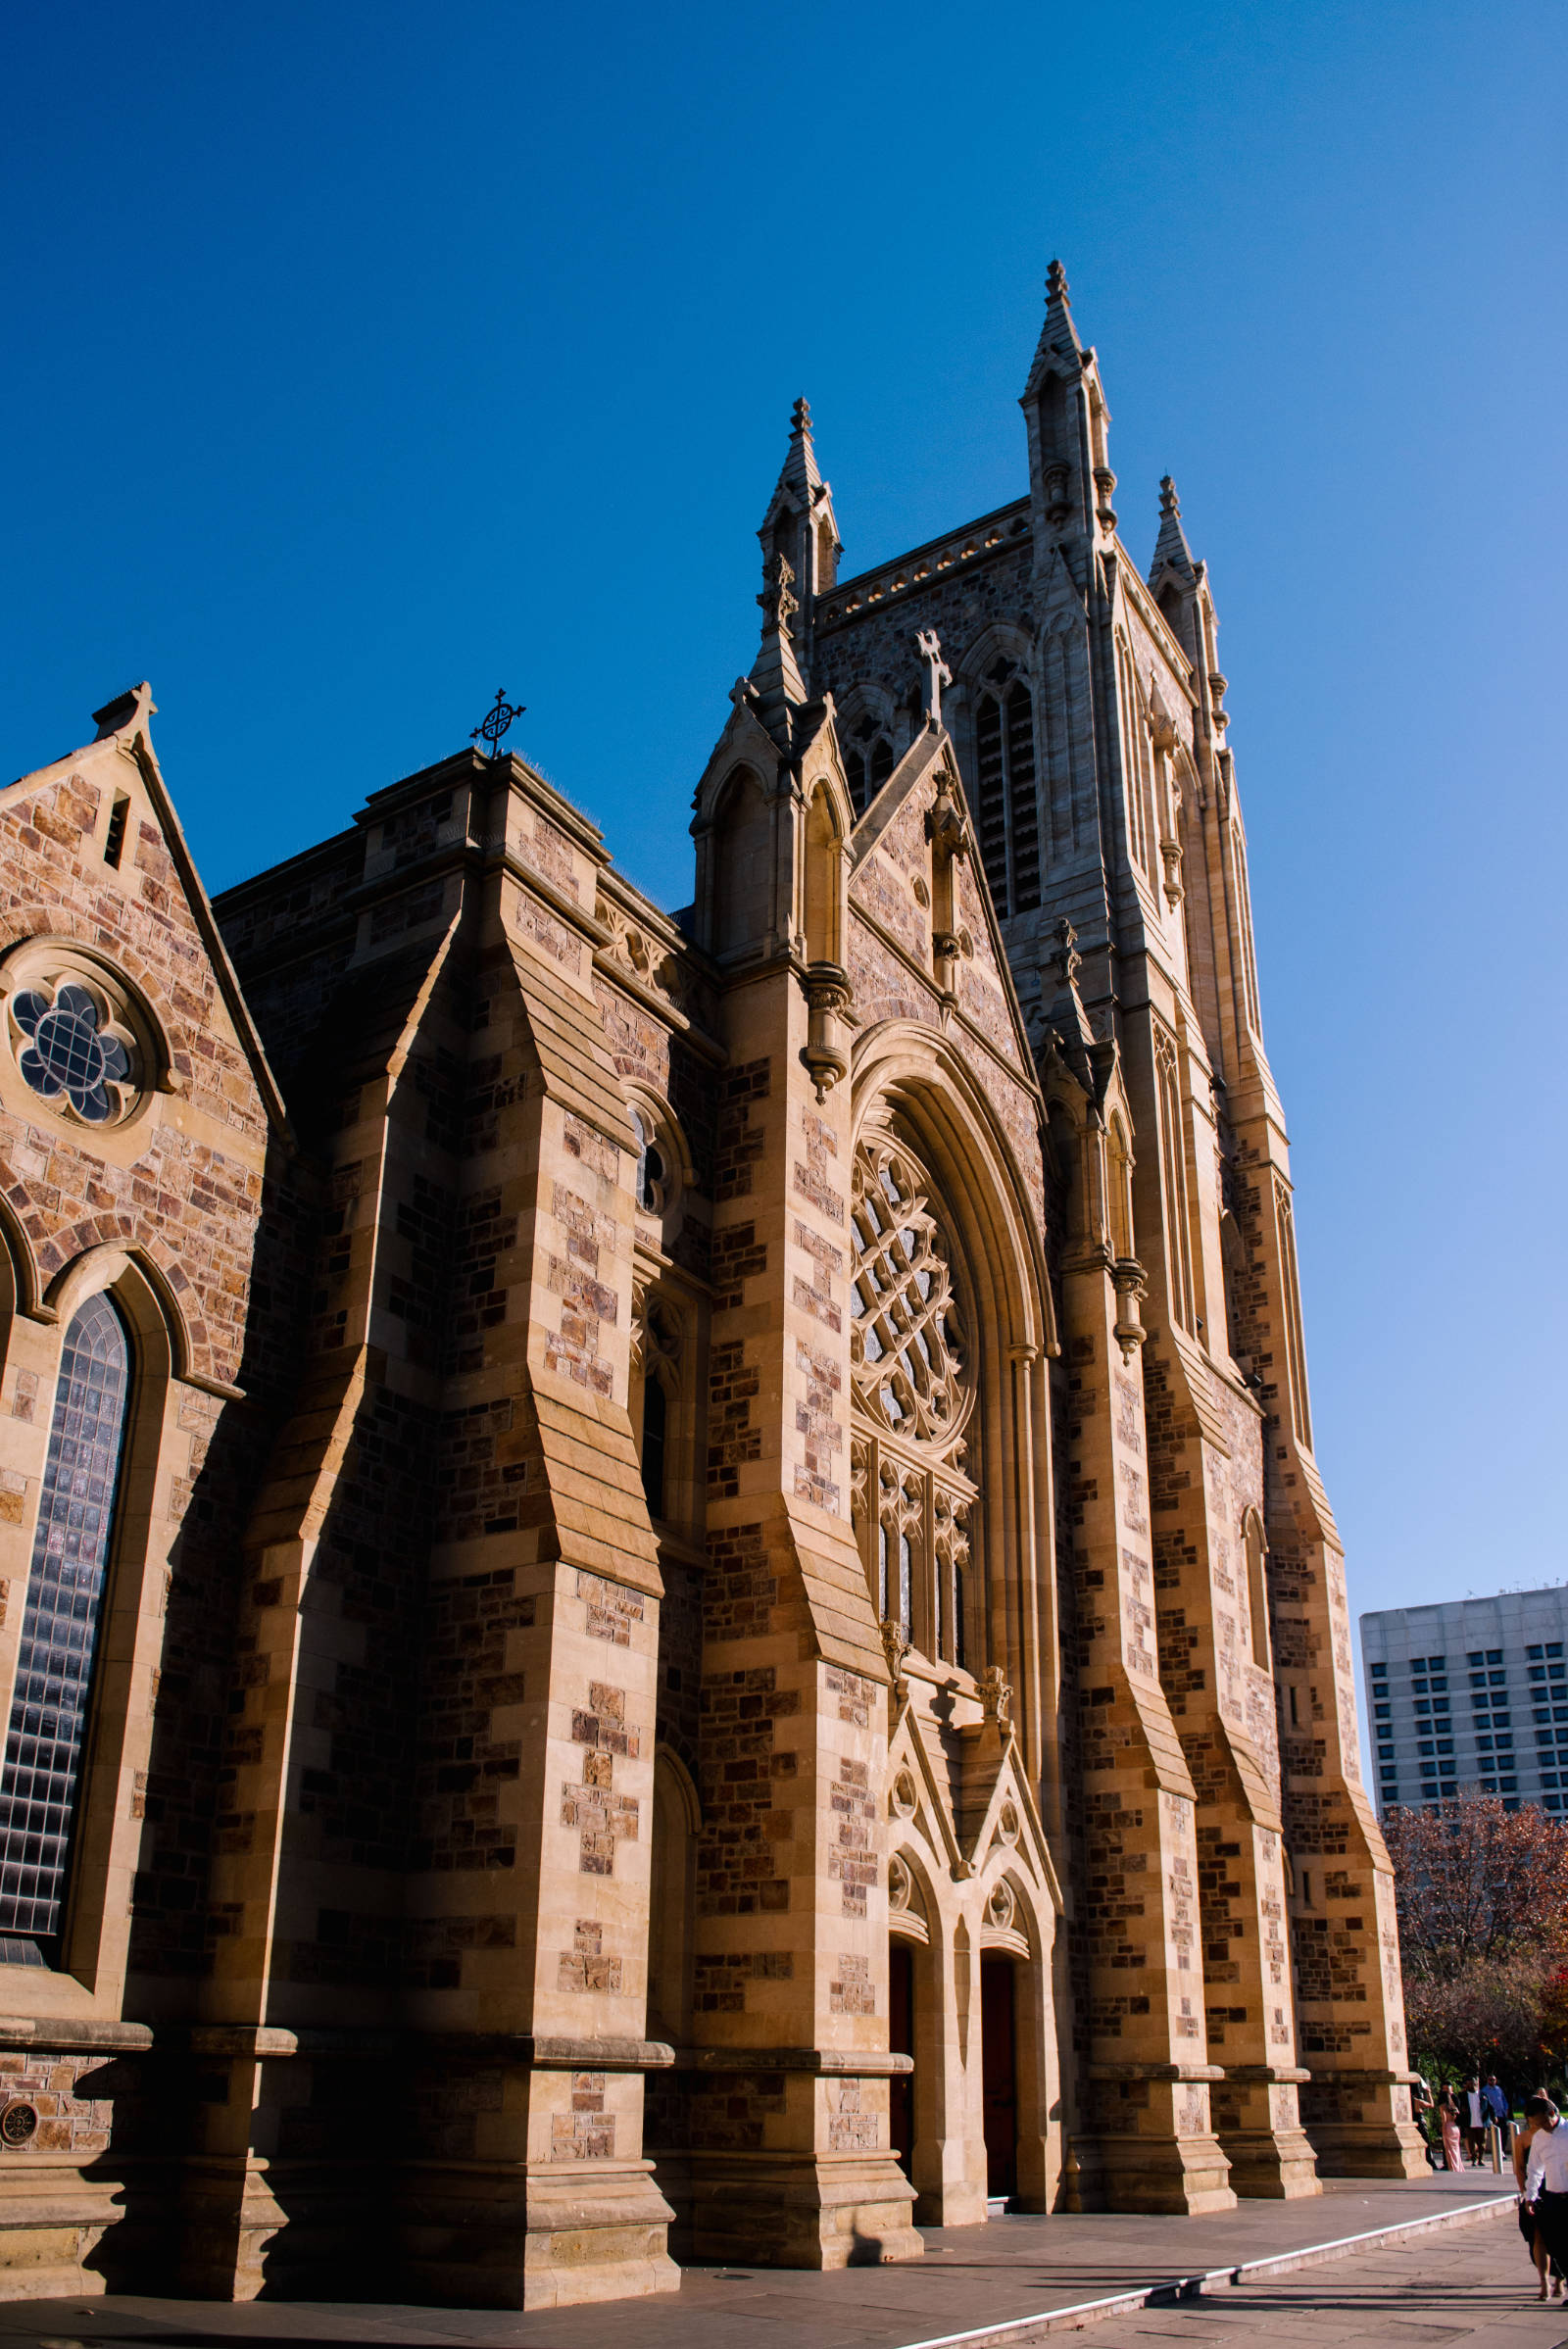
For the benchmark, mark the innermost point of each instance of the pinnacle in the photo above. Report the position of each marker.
(1059, 349)
(801, 416)
(1171, 550)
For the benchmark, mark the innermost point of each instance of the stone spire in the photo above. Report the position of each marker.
(798, 527)
(1058, 336)
(1171, 550)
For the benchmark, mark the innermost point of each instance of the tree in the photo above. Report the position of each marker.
(1482, 1894)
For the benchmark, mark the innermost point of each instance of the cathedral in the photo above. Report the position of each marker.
(663, 1582)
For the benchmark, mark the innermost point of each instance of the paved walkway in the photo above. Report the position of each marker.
(1471, 2289)
(972, 2281)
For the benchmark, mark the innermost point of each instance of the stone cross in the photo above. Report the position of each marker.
(940, 674)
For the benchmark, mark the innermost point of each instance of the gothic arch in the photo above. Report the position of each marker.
(913, 1083)
(75, 1257)
(739, 862)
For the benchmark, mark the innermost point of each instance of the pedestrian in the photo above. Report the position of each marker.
(1421, 2113)
(1474, 2119)
(1546, 2192)
(1496, 2104)
(1541, 2117)
(1448, 2124)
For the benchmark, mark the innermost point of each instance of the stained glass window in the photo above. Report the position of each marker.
(60, 1629)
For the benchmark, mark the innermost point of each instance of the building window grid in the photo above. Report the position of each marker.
(39, 1789)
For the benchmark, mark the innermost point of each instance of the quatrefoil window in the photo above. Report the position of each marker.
(69, 1049)
(908, 1342)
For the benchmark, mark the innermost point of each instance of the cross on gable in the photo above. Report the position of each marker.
(938, 673)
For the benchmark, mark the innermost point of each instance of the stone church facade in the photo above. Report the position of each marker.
(662, 1577)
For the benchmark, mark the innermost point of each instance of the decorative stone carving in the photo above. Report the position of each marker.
(1000, 1907)
(900, 1889)
(825, 1054)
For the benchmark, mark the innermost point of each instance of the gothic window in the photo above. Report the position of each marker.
(649, 1177)
(1140, 776)
(867, 764)
(914, 1503)
(60, 1625)
(656, 1355)
(1173, 1168)
(1006, 805)
(1256, 1587)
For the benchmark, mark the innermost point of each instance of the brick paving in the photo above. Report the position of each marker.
(1462, 2281)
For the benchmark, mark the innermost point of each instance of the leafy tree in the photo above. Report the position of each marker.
(1482, 1893)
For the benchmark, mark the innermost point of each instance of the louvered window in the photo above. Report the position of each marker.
(1007, 804)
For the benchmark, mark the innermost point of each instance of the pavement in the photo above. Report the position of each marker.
(1444, 2262)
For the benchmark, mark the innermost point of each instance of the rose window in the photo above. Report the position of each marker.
(69, 1052)
(911, 1500)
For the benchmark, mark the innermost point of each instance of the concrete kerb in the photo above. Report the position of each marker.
(1018, 2329)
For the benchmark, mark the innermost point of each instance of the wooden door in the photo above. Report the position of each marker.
(900, 2041)
(999, 2074)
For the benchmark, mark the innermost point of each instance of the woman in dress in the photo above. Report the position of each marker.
(1449, 2123)
(1541, 2119)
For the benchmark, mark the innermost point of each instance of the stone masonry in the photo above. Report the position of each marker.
(715, 1629)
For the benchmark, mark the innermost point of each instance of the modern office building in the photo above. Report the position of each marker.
(1471, 1693)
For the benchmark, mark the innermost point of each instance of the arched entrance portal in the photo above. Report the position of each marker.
(999, 2074)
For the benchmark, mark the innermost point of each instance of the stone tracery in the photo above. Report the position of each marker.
(914, 1392)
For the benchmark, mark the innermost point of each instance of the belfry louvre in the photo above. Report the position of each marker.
(664, 1584)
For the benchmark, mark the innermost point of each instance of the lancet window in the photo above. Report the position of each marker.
(913, 1501)
(39, 1789)
(1173, 1154)
(1006, 805)
(867, 764)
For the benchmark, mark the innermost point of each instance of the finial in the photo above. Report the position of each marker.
(1056, 283)
(497, 721)
(1169, 503)
(800, 416)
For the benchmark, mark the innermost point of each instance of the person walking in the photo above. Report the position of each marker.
(1546, 2192)
(1541, 2117)
(1496, 2104)
(1448, 2124)
(1476, 2117)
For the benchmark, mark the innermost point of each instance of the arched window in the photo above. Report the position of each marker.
(867, 764)
(1006, 805)
(60, 1627)
(1173, 1166)
(914, 1500)
(649, 1177)
(1257, 1589)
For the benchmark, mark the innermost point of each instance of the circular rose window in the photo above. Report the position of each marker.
(73, 1043)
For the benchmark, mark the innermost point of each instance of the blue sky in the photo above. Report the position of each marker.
(362, 360)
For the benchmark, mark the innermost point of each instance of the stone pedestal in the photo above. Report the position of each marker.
(528, 2235)
(1259, 2125)
(803, 2210)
